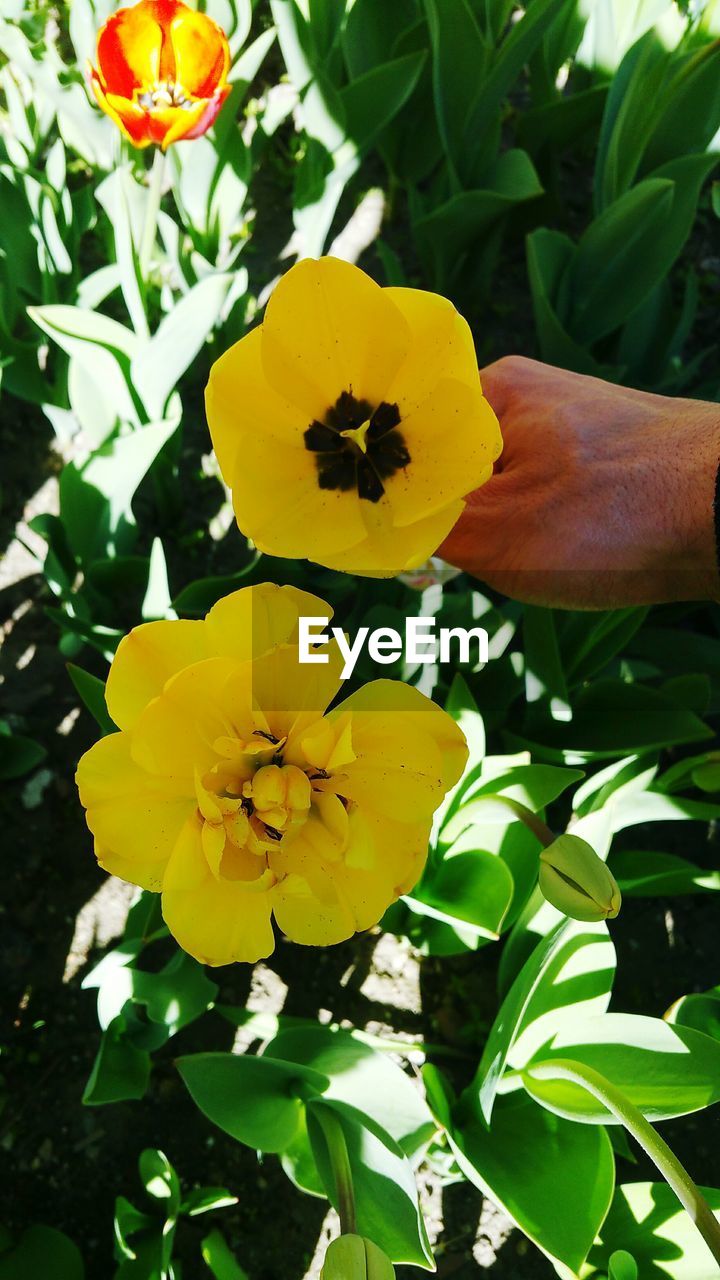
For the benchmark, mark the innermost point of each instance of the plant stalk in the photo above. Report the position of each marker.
(342, 1173)
(665, 1160)
(152, 209)
(531, 820)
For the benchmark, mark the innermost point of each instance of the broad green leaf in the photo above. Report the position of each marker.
(174, 997)
(700, 1011)
(18, 755)
(386, 1197)
(468, 888)
(647, 1220)
(205, 1199)
(121, 1070)
(569, 975)
(663, 1070)
(257, 1101)
(363, 1078)
(553, 1178)
(372, 100)
(616, 717)
(42, 1251)
(644, 874)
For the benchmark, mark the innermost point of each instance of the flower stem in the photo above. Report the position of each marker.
(152, 209)
(340, 1162)
(531, 820)
(665, 1160)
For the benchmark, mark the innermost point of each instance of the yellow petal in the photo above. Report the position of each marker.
(129, 49)
(134, 816)
(241, 405)
(216, 921)
(306, 903)
(409, 751)
(453, 440)
(292, 694)
(176, 731)
(441, 346)
(202, 56)
(329, 328)
(252, 621)
(145, 661)
(280, 505)
(400, 549)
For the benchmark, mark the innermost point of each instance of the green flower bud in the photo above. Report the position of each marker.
(355, 1258)
(576, 881)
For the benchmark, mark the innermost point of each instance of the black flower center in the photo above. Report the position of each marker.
(357, 447)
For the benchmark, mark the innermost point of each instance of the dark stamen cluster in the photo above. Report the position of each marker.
(341, 463)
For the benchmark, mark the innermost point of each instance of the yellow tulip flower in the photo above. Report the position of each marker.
(351, 423)
(231, 789)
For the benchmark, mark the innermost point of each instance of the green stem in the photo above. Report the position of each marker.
(676, 1176)
(531, 820)
(152, 209)
(340, 1161)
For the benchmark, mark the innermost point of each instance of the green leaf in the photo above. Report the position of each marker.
(121, 1070)
(18, 755)
(160, 1180)
(258, 1101)
(644, 874)
(553, 1178)
(372, 100)
(468, 888)
(42, 1251)
(92, 692)
(617, 717)
(219, 1259)
(622, 1266)
(647, 1220)
(386, 1197)
(569, 975)
(514, 53)
(160, 362)
(701, 1011)
(663, 1070)
(460, 55)
(616, 265)
(103, 349)
(550, 255)
(544, 677)
(360, 1076)
(205, 1200)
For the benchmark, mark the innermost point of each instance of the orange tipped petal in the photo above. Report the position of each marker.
(129, 49)
(202, 55)
(130, 119)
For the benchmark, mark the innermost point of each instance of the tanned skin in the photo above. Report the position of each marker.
(602, 498)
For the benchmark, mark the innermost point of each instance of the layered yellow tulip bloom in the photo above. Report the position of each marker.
(231, 789)
(351, 423)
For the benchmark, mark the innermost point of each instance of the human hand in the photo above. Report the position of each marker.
(602, 498)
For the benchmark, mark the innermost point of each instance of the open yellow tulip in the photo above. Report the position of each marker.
(351, 423)
(232, 790)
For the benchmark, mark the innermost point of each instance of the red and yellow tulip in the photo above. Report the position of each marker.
(161, 72)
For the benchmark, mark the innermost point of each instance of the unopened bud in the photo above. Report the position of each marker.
(576, 881)
(355, 1258)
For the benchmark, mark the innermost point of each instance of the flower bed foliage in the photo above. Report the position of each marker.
(549, 169)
